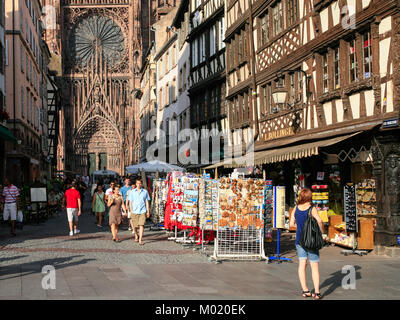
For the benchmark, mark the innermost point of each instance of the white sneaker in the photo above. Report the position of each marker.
(77, 231)
(71, 233)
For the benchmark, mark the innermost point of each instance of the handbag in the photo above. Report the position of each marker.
(311, 235)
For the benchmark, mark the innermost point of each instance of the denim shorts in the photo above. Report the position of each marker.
(303, 254)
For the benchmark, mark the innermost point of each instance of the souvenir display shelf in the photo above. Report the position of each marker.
(159, 199)
(320, 198)
(268, 209)
(208, 203)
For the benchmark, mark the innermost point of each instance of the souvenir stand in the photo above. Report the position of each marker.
(268, 210)
(190, 207)
(240, 220)
(278, 220)
(350, 225)
(173, 208)
(208, 208)
(159, 199)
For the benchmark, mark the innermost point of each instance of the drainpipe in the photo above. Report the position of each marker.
(253, 71)
(13, 54)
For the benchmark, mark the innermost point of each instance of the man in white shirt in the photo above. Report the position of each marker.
(11, 198)
(109, 191)
(127, 204)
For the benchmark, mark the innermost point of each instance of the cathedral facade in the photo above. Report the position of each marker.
(103, 42)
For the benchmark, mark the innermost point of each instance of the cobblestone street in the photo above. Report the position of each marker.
(91, 266)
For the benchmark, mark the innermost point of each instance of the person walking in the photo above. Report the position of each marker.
(139, 202)
(109, 190)
(10, 196)
(74, 206)
(124, 190)
(98, 205)
(304, 205)
(128, 206)
(115, 203)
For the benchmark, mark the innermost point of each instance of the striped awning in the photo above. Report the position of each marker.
(283, 154)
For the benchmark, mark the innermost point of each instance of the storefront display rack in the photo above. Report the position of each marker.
(320, 198)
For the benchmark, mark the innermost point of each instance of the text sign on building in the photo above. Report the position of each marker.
(390, 123)
(279, 133)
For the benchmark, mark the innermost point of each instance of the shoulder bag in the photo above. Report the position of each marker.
(311, 235)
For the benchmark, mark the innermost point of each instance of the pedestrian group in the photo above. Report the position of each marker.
(118, 203)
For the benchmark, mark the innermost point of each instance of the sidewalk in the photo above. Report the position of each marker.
(91, 266)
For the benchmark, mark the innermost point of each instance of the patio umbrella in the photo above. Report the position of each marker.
(153, 166)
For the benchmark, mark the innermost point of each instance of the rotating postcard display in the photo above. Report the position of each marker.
(209, 204)
(190, 201)
(159, 199)
(268, 209)
(240, 219)
(350, 209)
(176, 190)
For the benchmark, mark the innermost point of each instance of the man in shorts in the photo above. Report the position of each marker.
(10, 194)
(140, 208)
(73, 198)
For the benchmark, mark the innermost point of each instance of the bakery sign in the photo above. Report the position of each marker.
(279, 133)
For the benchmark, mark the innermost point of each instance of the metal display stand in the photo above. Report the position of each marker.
(278, 258)
(354, 230)
(38, 207)
(239, 244)
(278, 205)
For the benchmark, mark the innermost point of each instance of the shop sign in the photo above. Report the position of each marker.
(320, 176)
(279, 133)
(34, 161)
(390, 123)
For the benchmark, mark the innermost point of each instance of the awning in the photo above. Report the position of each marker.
(6, 134)
(282, 154)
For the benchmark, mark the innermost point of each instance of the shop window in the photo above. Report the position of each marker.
(353, 60)
(325, 73)
(367, 55)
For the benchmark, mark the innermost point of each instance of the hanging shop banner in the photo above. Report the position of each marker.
(279, 208)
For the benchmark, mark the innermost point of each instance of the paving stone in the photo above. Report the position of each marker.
(90, 266)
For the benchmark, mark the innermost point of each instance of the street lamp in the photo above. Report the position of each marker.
(280, 93)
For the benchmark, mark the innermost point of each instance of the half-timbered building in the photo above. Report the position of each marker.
(327, 93)
(207, 72)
